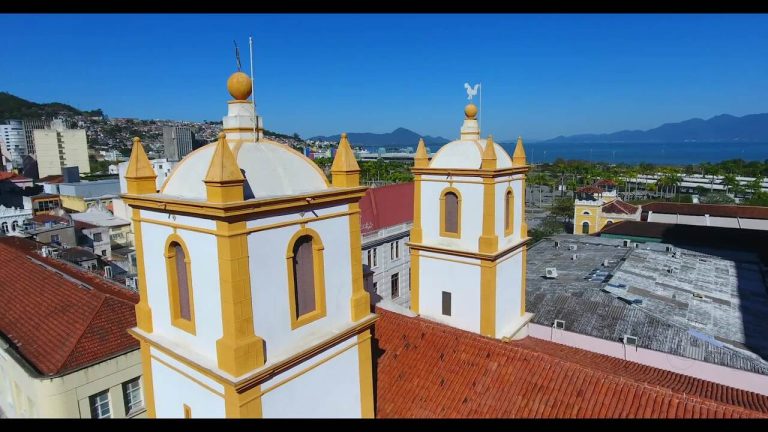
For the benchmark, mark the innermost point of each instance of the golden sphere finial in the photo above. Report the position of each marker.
(136, 140)
(239, 86)
(470, 111)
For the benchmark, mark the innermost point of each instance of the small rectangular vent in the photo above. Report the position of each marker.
(630, 340)
(559, 324)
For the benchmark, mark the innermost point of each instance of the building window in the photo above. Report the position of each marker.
(608, 223)
(585, 228)
(586, 213)
(4, 227)
(55, 238)
(373, 260)
(446, 303)
(450, 213)
(15, 226)
(509, 212)
(97, 237)
(395, 284)
(100, 405)
(306, 277)
(394, 250)
(132, 396)
(178, 266)
(376, 287)
(104, 252)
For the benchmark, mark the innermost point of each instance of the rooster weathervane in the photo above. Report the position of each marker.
(471, 91)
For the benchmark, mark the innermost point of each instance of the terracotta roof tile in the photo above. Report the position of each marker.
(58, 317)
(619, 207)
(426, 369)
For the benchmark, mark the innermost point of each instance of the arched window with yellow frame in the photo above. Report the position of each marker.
(509, 212)
(180, 294)
(450, 213)
(306, 277)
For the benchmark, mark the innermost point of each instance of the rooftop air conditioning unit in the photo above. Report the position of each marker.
(45, 251)
(676, 254)
(606, 263)
(557, 244)
(559, 324)
(637, 245)
(627, 242)
(108, 272)
(630, 340)
(575, 257)
(551, 273)
(572, 247)
(670, 249)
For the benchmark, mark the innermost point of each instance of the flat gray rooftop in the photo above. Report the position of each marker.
(710, 305)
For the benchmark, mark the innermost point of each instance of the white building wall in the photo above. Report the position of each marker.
(461, 280)
(269, 284)
(386, 266)
(75, 146)
(329, 389)
(471, 212)
(47, 148)
(173, 390)
(501, 191)
(67, 396)
(203, 253)
(508, 291)
(761, 224)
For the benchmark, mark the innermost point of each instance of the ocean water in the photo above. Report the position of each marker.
(662, 154)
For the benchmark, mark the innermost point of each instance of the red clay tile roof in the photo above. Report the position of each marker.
(605, 182)
(619, 206)
(55, 323)
(51, 179)
(386, 206)
(425, 369)
(720, 210)
(589, 189)
(5, 175)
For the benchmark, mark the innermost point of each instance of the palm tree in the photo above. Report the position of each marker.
(729, 181)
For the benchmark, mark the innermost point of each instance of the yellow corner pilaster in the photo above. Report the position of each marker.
(523, 221)
(489, 241)
(488, 298)
(239, 350)
(147, 383)
(523, 284)
(361, 300)
(143, 311)
(416, 230)
(365, 366)
(414, 280)
(242, 405)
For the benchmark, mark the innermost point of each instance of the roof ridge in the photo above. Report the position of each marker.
(71, 350)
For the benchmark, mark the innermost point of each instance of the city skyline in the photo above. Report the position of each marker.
(542, 75)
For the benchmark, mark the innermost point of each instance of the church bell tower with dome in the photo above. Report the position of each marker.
(469, 235)
(251, 289)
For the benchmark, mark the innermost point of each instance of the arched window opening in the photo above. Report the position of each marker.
(306, 278)
(180, 285)
(585, 228)
(509, 212)
(450, 213)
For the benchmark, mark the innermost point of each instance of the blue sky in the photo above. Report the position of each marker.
(542, 75)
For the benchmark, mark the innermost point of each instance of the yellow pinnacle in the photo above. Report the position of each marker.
(223, 167)
(489, 155)
(421, 158)
(344, 171)
(139, 165)
(518, 158)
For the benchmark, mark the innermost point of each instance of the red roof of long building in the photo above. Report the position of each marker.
(58, 317)
(426, 369)
(718, 210)
(386, 206)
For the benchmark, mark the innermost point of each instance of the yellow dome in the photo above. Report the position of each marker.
(470, 111)
(239, 86)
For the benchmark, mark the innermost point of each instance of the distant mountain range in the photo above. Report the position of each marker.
(721, 128)
(400, 137)
(14, 107)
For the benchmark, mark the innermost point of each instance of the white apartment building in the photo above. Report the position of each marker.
(12, 135)
(60, 147)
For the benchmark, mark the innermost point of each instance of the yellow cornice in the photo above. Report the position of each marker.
(265, 373)
(223, 167)
(241, 210)
(469, 254)
(464, 172)
(489, 155)
(518, 157)
(421, 159)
